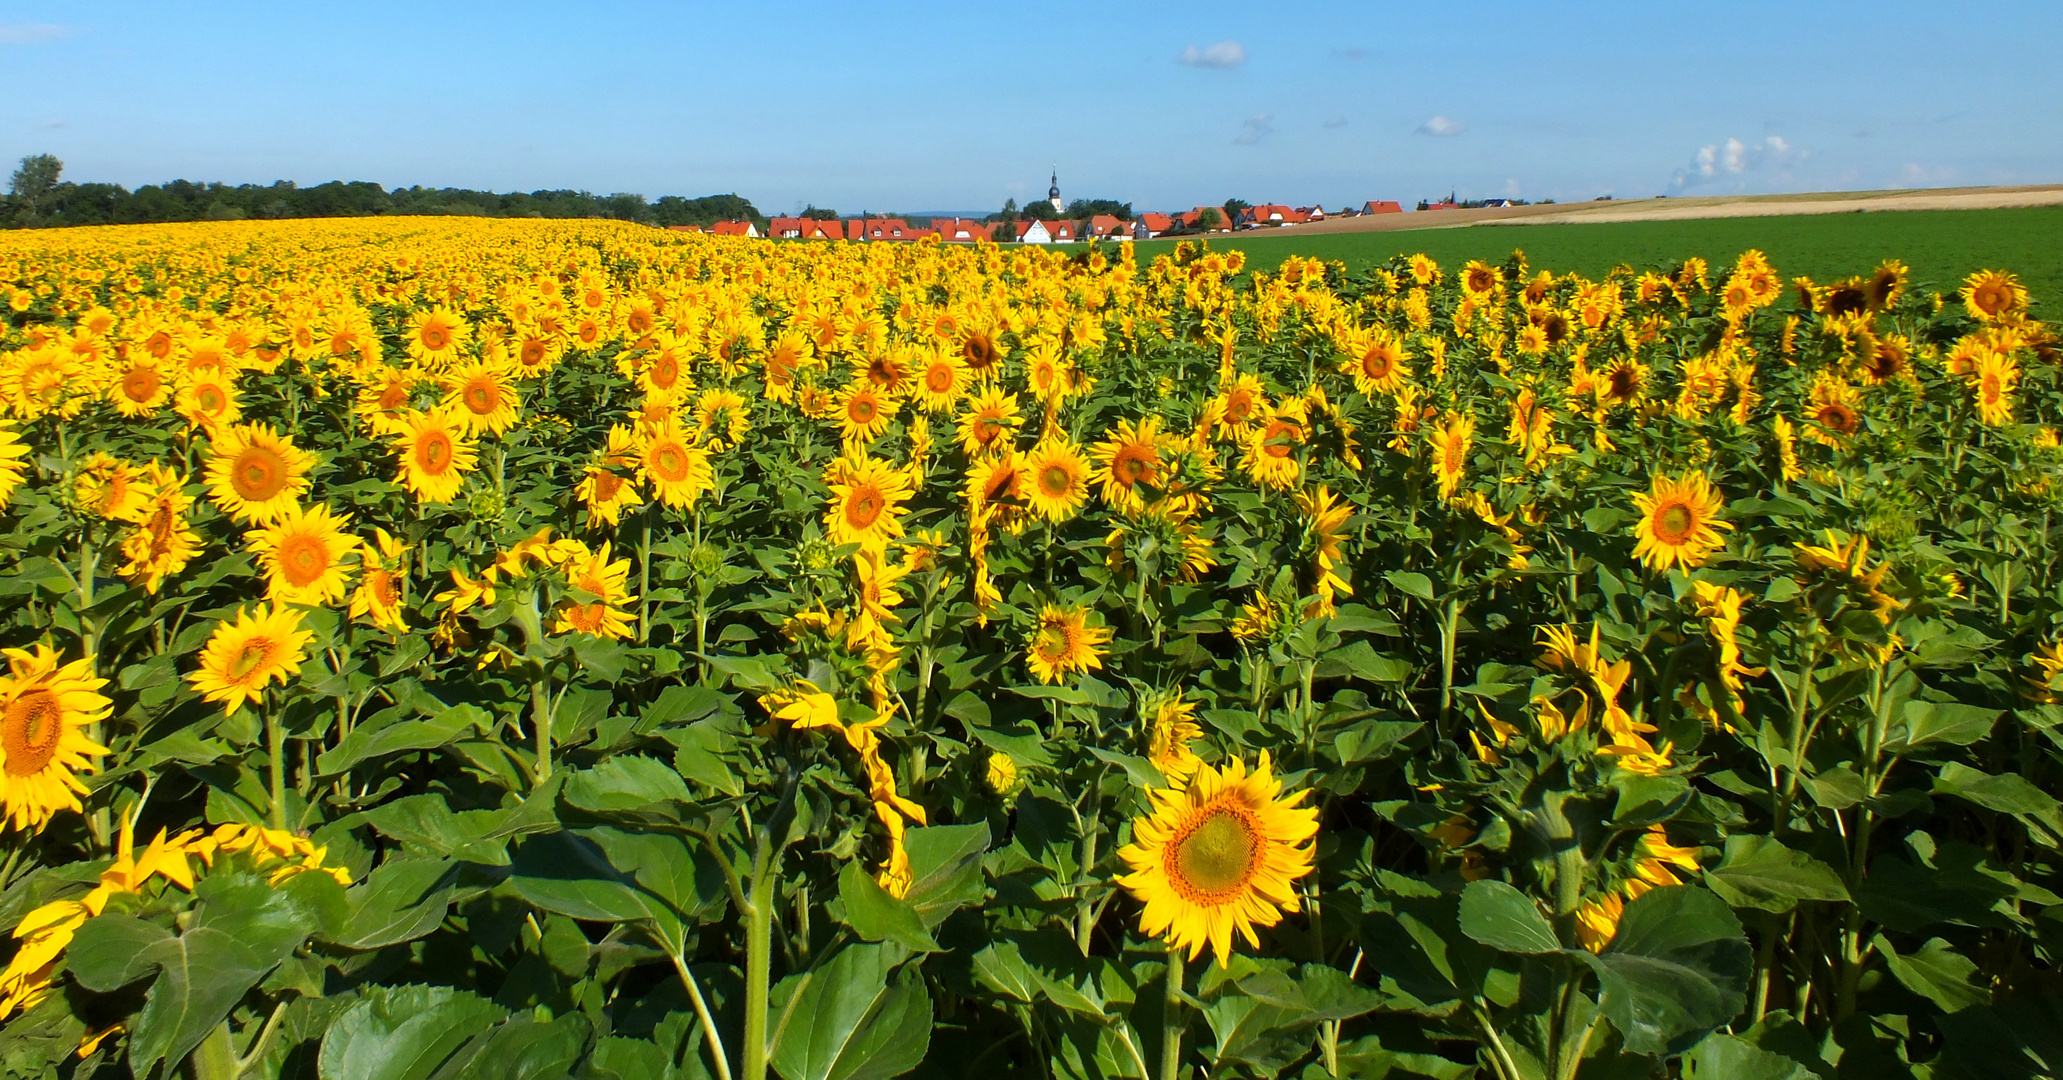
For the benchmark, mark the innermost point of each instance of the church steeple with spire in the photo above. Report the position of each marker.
(1053, 193)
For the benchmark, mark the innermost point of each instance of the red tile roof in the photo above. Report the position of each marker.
(1381, 206)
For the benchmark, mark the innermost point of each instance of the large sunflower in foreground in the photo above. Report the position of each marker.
(866, 495)
(1221, 854)
(1063, 641)
(1129, 457)
(435, 456)
(302, 555)
(43, 706)
(1679, 522)
(1988, 294)
(257, 475)
(241, 657)
(483, 398)
(679, 472)
(1060, 479)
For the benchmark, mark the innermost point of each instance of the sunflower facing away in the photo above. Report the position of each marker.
(241, 657)
(435, 456)
(382, 588)
(1063, 641)
(1219, 855)
(1170, 728)
(43, 706)
(256, 475)
(302, 555)
(1678, 523)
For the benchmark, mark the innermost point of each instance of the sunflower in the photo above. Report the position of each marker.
(1597, 920)
(864, 412)
(1170, 728)
(240, 658)
(107, 487)
(1219, 855)
(386, 399)
(139, 388)
(1270, 454)
(981, 352)
(1060, 479)
(1378, 361)
(1989, 294)
(1782, 430)
(1887, 358)
(435, 456)
(866, 495)
(481, 397)
(1325, 519)
(679, 473)
(721, 419)
(383, 584)
(1130, 456)
(997, 488)
(942, 382)
(162, 543)
(892, 370)
(1479, 279)
(302, 555)
(1887, 285)
(664, 370)
(1678, 523)
(609, 487)
(1450, 442)
(436, 337)
(1241, 405)
(256, 475)
(208, 401)
(1995, 378)
(1063, 641)
(14, 463)
(989, 423)
(777, 368)
(43, 706)
(608, 583)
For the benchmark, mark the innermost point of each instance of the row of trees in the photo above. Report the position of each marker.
(39, 197)
(1078, 210)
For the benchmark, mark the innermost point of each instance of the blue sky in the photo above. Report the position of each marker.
(957, 106)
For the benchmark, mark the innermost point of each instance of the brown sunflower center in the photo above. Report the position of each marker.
(253, 657)
(386, 587)
(433, 453)
(864, 508)
(1216, 856)
(1055, 480)
(258, 473)
(665, 371)
(1377, 363)
(1131, 464)
(1674, 522)
(303, 560)
(670, 462)
(939, 378)
(532, 353)
(481, 396)
(1052, 643)
(141, 384)
(862, 411)
(210, 398)
(436, 338)
(606, 486)
(30, 731)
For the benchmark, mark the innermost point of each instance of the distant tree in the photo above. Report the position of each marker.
(1210, 219)
(1234, 206)
(1088, 208)
(1040, 210)
(816, 213)
(34, 183)
(1009, 213)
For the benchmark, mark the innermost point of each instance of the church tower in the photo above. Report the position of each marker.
(1053, 193)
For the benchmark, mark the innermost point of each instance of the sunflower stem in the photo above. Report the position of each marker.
(709, 1036)
(1172, 1021)
(758, 957)
(275, 752)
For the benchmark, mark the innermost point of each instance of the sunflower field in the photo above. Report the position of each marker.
(446, 648)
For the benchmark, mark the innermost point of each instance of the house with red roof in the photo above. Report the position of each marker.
(1107, 227)
(795, 228)
(685, 228)
(1382, 206)
(961, 230)
(735, 228)
(1152, 224)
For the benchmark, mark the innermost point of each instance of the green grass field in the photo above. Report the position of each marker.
(1941, 246)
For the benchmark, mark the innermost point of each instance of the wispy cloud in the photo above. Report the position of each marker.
(1225, 54)
(1257, 127)
(1716, 161)
(31, 33)
(1442, 127)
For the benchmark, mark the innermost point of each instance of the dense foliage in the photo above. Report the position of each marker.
(461, 648)
(46, 201)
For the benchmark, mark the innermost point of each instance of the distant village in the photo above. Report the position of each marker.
(1034, 230)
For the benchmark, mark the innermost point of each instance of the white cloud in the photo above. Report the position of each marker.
(1335, 121)
(1225, 54)
(31, 33)
(1257, 127)
(1734, 158)
(1442, 127)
